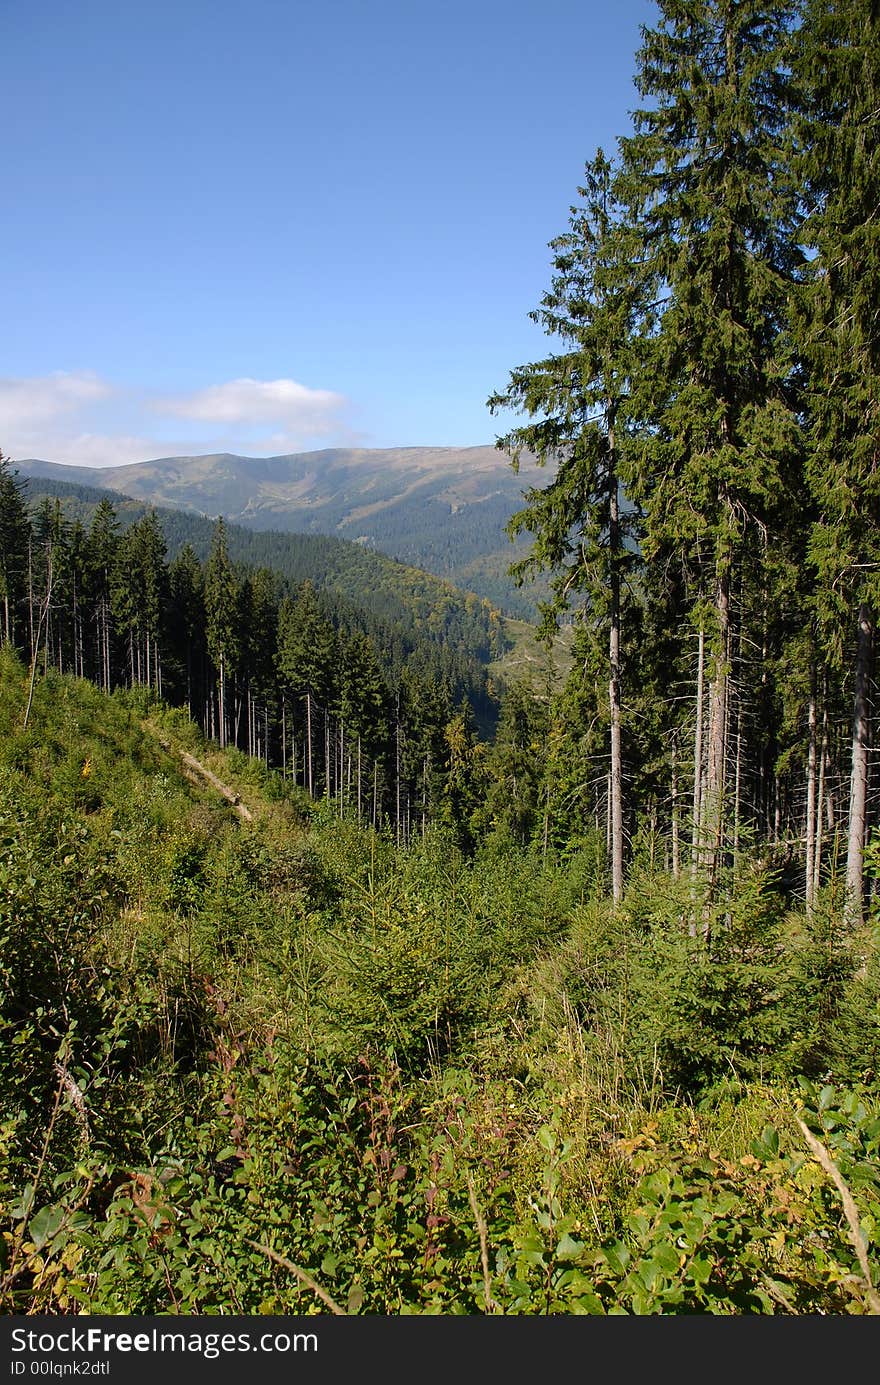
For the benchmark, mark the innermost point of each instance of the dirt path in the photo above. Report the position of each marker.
(202, 774)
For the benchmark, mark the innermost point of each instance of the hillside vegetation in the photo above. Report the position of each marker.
(322, 1000)
(440, 509)
(394, 598)
(280, 1066)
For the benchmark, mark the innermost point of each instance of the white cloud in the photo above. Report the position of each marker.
(25, 402)
(290, 407)
(80, 419)
(101, 449)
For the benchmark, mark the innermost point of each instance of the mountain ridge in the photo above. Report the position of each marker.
(442, 509)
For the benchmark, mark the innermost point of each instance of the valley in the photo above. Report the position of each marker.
(440, 509)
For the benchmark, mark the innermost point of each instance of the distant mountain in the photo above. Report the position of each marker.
(442, 509)
(414, 617)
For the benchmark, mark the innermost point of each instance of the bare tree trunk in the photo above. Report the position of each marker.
(340, 783)
(696, 832)
(397, 771)
(737, 786)
(820, 795)
(77, 633)
(810, 852)
(676, 844)
(616, 782)
(31, 596)
(43, 618)
(718, 694)
(105, 642)
(309, 740)
(221, 707)
(859, 774)
(326, 755)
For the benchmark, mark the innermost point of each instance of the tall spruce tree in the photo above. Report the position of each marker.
(838, 66)
(139, 597)
(14, 534)
(707, 183)
(186, 586)
(222, 628)
(306, 665)
(595, 307)
(100, 564)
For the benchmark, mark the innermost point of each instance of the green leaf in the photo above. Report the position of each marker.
(700, 1269)
(568, 1248)
(826, 1096)
(667, 1257)
(45, 1224)
(24, 1204)
(547, 1139)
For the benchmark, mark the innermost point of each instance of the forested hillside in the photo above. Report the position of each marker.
(331, 1005)
(370, 693)
(409, 614)
(440, 509)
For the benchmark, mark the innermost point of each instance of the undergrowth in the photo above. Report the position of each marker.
(279, 1066)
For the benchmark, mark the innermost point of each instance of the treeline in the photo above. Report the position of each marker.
(714, 411)
(364, 714)
(415, 618)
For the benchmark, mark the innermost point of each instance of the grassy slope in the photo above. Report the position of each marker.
(527, 659)
(283, 1032)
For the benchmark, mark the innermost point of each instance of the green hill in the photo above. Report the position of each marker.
(422, 609)
(440, 509)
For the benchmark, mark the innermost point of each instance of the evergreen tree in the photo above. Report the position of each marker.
(100, 563)
(306, 650)
(258, 618)
(515, 782)
(186, 585)
(49, 579)
(462, 784)
(364, 713)
(421, 710)
(596, 306)
(222, 628)
(14, 536)
(707, 185)
(151, 552)
(838, 63)
(138, 598)
(78, 543)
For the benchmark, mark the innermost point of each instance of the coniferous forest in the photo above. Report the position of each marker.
(337, 975)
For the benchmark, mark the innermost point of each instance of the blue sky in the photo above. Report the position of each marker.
(274, 226)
